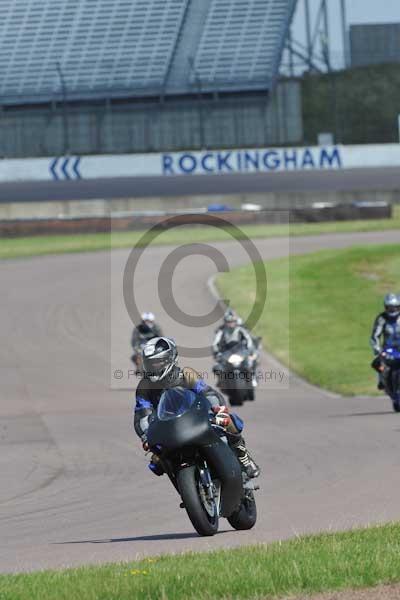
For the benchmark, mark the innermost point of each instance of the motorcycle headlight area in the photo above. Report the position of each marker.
(235, 360)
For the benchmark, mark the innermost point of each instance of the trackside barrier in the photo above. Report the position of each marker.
(22, 227)
(208, 162)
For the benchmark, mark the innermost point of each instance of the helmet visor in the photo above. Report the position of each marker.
(393, 309)
(156, 365)
(231, 323)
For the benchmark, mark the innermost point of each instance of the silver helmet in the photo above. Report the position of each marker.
(392, 305)
(159, 357)
(230, 318)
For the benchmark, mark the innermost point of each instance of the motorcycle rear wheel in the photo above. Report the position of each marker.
(188, 481)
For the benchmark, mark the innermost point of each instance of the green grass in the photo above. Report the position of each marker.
(59, 244)
(319, 311)
(306, 565)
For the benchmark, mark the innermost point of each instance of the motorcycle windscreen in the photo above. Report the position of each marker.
(174, 403)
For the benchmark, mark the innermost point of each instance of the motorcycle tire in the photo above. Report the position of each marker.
(188, 482)
(396, 386)
(246, 516)
(251, 394)
(237, 396)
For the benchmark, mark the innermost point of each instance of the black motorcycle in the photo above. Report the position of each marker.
(195, 454)
(235, 370)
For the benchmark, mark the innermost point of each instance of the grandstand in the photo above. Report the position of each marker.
(138, 47)
(59, 52)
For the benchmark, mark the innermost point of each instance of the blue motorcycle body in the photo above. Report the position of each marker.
(392, 361)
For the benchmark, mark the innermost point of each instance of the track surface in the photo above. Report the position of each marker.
(74, 484)
(296, 181)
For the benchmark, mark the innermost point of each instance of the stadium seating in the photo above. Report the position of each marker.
(106, 48)
(101, 45)
(240, 43)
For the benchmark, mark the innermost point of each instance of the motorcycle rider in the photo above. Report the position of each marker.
(142, 333)
(386, 330)
(230, 334)
(162, 372)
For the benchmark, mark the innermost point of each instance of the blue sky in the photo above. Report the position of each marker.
(358, 11)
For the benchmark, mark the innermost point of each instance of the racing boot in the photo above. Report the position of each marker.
(249, 466)
(155, 466)
(381, 379)
(237, 443)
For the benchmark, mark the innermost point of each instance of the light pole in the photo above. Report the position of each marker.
(308, 31)
(345, 35)
(200, 101)
(65, 109)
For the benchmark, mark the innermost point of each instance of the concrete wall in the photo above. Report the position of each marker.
(206, 162)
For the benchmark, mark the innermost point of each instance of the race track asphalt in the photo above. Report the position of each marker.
(130, 187)
(74, 484)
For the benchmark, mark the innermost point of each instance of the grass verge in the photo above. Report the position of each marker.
(306, 565)
(60, 244)
(320, 310)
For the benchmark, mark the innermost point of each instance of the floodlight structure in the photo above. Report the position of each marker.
(315, 55)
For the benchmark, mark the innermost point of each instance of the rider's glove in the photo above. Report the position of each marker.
(382, 364)
(222, 416)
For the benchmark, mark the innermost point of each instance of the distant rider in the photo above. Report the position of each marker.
(162, 372)
(232, 334)
(142, 333)
(385, 332)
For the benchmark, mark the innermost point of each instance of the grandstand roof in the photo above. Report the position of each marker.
(111, 48)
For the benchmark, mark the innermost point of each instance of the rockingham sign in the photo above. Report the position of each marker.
(251, 161)
(200, 163)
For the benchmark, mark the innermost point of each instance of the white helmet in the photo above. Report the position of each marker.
(148, 316)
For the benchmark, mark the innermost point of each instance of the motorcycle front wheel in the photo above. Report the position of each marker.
(203, 514)
(396, 388)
